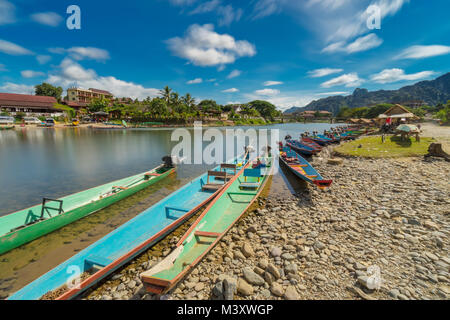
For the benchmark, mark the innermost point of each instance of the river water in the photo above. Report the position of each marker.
(40, 162)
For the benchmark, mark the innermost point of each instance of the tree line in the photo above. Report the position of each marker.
(169, 106)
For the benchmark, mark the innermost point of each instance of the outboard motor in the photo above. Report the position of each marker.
(168, 163)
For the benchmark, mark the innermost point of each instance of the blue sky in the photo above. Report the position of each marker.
(287, 52)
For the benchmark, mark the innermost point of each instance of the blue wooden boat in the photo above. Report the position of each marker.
(301, 148)
(302, 168)
(320, 141)
(134, 237)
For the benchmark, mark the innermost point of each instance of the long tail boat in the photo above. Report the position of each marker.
(302, 168)
(311, 144)
(29, 224)
(320, 141)
(131, 239)
(6, 127)
(210, 227)
(302, 148)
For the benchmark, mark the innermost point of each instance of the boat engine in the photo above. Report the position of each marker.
(168, 163)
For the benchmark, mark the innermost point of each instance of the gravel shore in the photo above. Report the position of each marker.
(387, 215)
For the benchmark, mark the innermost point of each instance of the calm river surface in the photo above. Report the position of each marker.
(39, 162)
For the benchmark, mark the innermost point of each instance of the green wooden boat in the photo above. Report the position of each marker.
(29, 224)
(6, 127)
(231, 203)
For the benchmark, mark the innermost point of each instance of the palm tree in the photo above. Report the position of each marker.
(188, 100)
(166, 94)
(175, 98)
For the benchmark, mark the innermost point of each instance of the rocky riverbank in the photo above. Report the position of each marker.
(386, 215)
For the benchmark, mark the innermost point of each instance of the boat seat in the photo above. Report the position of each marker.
(121, 188)
(173, 217)
(255, 173)
(98, 261)
(152, 174)
(300, 165)
(207, 234)
(224, 167)
(215, 186)
(312, 177)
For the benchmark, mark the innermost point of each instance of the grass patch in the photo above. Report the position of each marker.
(393, 147)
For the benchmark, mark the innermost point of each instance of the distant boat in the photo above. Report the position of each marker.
(29, 224)
(232, 202)
(132, 238)
(302, 148)
(320, 141)
(302, 168)
(6, 127)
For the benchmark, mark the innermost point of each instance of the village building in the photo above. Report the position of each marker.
(87, 95)
(28, 104)
(397, 113)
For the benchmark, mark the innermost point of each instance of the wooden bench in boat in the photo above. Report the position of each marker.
(207, 234)
(224, 167)
(121, 188)
(256, 173)
(215, 186)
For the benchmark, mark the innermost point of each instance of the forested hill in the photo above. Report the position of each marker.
(431, 92)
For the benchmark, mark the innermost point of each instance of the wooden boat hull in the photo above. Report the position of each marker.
(123, 244)
(301, 148)
(304, 170)
(33, 228)
(215, 221)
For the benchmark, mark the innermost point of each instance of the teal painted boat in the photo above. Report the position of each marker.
(29, 224)
(223, 212)
(114, 250)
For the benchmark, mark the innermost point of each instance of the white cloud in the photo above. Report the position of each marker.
(7, 12)
(318, 73)
(182, 2)
(195, 81)
(420, 52)
(32, 74)
(394, 75)
(336, 93)
(17, 88)
(206, 7)
(71, 72)
(211, 80)
(51, 19)
(13, 49)
(43, 59)
(228, 15)
(349, 80)
(3, 67)
(272, 83)
(264, 8)
(234, 74)
(267, 92)
(364, 43)
(202, 46)
(231, 90)
(82, 53)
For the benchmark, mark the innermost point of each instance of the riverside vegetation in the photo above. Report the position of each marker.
(392, 213)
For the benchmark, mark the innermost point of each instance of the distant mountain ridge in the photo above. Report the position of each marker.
(431, 92)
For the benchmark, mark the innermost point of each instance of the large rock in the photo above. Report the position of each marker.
(229, 288)
(274, 271)
(277, 289)
(244, 288)
(335, 161)
(252, 277)
(247, 250)
(291, 293)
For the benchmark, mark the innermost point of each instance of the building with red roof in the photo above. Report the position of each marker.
(29, 104)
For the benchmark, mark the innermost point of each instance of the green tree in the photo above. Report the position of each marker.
(166, 94)
(158, 108)
(188, 100)
(98, 104)
(46, 89)
(265, 109)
